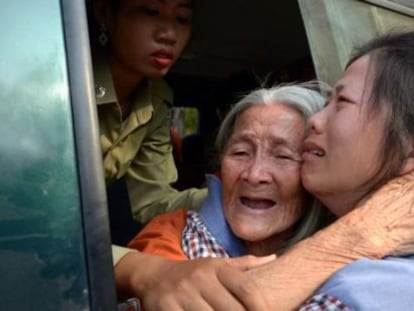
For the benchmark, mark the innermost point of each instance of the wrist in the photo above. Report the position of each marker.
(136, 272)
(128, 275)
(360, 235)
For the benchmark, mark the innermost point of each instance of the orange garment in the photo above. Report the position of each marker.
(162, 236)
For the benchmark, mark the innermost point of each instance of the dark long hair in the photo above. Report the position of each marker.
(392, 62)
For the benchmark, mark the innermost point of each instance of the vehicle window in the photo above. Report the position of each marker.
(185, 120)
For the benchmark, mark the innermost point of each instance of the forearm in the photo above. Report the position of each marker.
(379, 226)
(134, 271)
(293, 277)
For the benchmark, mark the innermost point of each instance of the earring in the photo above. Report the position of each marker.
(103, 36)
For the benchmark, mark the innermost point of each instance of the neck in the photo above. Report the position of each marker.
(125, 82)
(268, 246)
(340, 203)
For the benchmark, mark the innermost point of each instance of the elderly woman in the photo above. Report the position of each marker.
(258, 207)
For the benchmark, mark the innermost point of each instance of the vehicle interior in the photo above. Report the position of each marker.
(249, 45)
(54, 227)
(243, 47)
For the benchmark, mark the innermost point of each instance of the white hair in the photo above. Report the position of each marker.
(308, 98)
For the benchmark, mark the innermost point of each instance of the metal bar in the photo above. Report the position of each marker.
(92, 183)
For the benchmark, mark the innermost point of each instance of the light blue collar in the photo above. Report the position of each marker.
(212, 214)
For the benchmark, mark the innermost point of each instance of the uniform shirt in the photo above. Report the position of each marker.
(139, 148)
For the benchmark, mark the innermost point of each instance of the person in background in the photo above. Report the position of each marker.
(134, 45)
(138, 42)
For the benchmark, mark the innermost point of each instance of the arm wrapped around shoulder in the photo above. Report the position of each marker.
(385, 220)
(381, 225)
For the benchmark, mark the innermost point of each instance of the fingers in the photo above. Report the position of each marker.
(205, 288)
(204, 284)
(220, 296)
(243, 288)
(172, 301)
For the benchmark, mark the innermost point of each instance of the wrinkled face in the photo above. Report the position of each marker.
(342, 152)
(147, 36)
(262, 192)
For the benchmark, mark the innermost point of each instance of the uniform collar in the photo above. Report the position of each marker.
(105, 89)
(104, 86)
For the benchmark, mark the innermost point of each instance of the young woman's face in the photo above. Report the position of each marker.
(260, 169)
(147, 36)
(342, 152)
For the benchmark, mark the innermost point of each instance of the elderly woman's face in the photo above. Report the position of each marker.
(342, 152)
(262, 192)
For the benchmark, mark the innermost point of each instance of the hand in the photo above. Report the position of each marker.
(203, 284)
(386, 218)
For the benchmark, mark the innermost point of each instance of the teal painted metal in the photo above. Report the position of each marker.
(42, 264)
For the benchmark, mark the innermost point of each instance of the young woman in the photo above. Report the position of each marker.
(137, 42)
(359, 141)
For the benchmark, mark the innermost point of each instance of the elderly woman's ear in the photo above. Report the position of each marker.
(408, 165)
